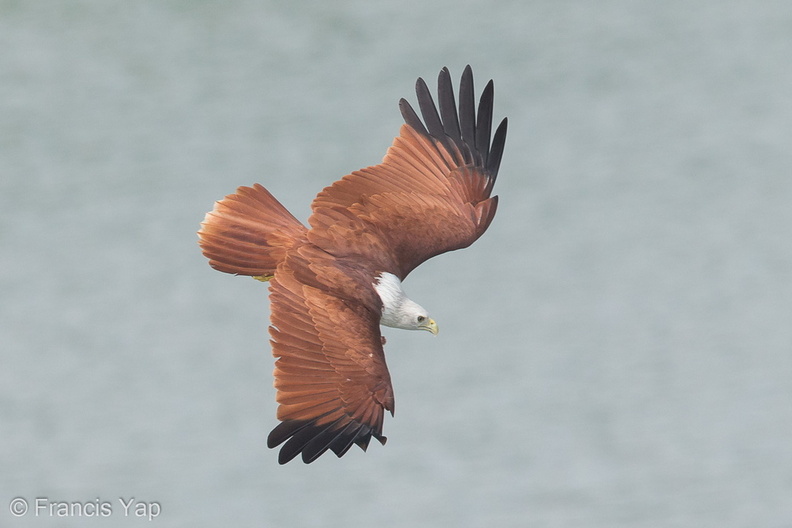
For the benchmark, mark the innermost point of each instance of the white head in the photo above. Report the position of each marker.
(398, 311)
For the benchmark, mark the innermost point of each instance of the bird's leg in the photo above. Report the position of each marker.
(264, 278)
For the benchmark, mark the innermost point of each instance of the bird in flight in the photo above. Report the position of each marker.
(334, 283)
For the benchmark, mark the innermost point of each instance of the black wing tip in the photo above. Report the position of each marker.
(411, 117)
(310, 441)
(496, 148)
(468, 128)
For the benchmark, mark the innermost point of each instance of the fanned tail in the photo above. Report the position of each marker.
(248, 233)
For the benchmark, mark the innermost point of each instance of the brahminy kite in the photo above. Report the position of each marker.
(334, 283)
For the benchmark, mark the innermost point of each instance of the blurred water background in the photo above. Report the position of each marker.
(615, 351)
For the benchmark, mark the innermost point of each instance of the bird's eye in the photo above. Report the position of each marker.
(421, 318)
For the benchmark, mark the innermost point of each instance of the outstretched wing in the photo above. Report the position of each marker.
(332, 381)
(430, 194)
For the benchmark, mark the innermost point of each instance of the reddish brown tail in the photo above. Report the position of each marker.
(248, 233)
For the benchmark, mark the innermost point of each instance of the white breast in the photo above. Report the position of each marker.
(390, 290)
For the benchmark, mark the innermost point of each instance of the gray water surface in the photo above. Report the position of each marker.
(615, 351)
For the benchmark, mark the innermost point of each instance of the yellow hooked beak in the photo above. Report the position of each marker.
(430, 326)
